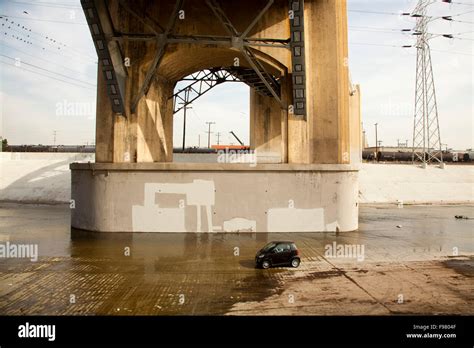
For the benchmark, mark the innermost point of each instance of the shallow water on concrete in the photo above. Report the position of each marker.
(82, 272)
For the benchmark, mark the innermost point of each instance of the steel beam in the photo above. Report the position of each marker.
(204, 40)
(266, 78)
(115, 74)
(220, 14)
(204, 81)
(160, 50)
(298, 57)
(256, 19)
(238, 41)
(143, 18)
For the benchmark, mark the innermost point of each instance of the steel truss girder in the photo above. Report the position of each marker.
(225, 41)
(115, 74)
(238, 42)
(155, 27)
(160, 50)
(220, 14)
(268, 80)
(204, 81)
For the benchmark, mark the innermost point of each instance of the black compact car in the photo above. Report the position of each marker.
(278, 254)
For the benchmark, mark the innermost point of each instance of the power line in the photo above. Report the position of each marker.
(414, 15)
(51, 77)
(464, 32)
(52, 72)
(379, 28)
(460, 3)
(50, 40)
(381, 45)
(40, 58)
(382, 13)
(47, 49)
(462, 14)
(378, 31)
(42, 20)
(462, 38)
(450, 18)
(408, 46)
(44, 4)
(466, 22)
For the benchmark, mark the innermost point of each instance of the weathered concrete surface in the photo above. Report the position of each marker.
(355, 128)
(415, 261)
(37, 177)
(167, 197)
(389, 183)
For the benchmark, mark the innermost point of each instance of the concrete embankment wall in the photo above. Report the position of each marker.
(389, 183)
(45, 178)
(37, 177)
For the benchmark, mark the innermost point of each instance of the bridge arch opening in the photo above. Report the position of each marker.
(240, 112)
(215, 101)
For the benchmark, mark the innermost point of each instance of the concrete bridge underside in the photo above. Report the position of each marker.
(304, 114)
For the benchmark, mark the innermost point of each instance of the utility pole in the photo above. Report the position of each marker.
(199, 140)
(209, 134)
(185, 107)
(426, 134)
(376, 143)
(54, 136)
(218, 137)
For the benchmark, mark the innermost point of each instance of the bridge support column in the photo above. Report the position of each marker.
(144, 136)
(323, 138)
(268, 127)
(155, 123)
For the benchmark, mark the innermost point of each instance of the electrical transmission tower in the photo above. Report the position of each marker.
(426, 134)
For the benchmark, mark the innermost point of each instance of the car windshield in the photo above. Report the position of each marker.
(268, 246)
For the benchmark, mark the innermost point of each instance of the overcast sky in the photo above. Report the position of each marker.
(48, 74)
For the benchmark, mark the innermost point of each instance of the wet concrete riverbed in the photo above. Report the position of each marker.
(418, 259)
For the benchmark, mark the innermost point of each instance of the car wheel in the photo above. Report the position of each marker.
(265, 264)
(295, 263)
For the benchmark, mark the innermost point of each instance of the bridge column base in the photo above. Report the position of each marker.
(189, 197)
